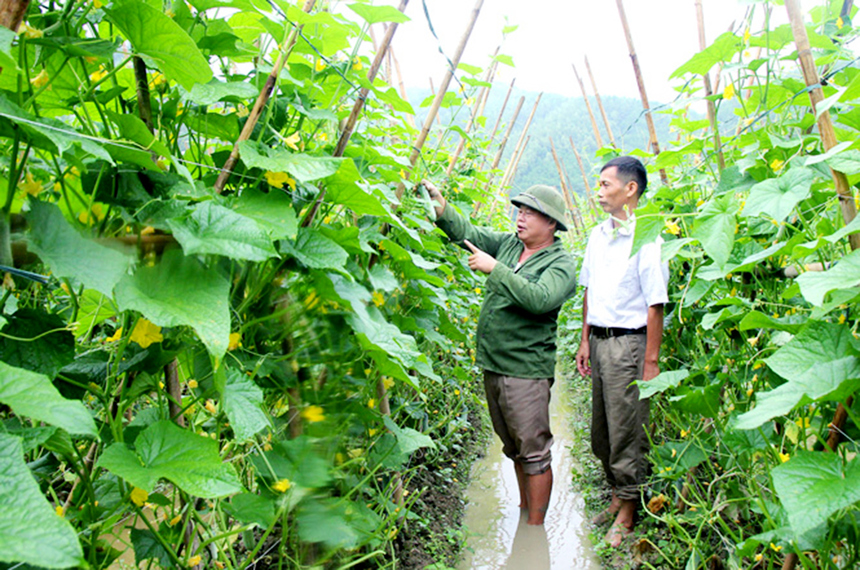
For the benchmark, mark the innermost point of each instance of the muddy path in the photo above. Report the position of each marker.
(497, 535)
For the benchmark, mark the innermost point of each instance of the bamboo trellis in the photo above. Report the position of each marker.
(262, 99)
(597, 137)
(600, 103)
(712, 114)
(502, 145)
(476, 106)
(652, 131)
(437, 100)
(351, 121)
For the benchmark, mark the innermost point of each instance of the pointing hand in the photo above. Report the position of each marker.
(479, 260)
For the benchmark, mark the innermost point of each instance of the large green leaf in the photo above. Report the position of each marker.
(215, 91)
(715, 227)
(723, 48)
(165, 450)
(408, 439)
(156, 36)
(814, 285)
(326, 521)
(820, 363)
(210, 228)
(377, 14)
(303, 167)
(135, 130)
(777, 197)
(242, 402)
(272, 210)
(180, 291)
(33, 396)
(68, 254)
(813, 486)
(649, 225)
(30, 530)
(44, 132)
(147, 547)
(661, 383)
(37, 341)
(345, 188)
(315, 250)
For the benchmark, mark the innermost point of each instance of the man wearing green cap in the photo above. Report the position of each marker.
(529, 276)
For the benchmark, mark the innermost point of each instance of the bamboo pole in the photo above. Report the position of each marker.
(437, 101)
(600, 103)
(565, 190)
(12, 13)
(597, 136)
(655, 146)
(587, 188)
(518, 148)
(501, 149)
(510, 172)
(351, 121)
(495, 68)
(409, 118)
(502, 112)
(472, 118)
(712, 114)
(825, 126)
(262, 99)
(840, 181)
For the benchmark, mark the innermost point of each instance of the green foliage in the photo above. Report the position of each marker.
(182, 337)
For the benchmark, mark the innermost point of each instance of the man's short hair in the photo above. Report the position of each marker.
(629, 168)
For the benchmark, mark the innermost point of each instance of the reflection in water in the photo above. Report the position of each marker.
(531, 547)
(497, 536)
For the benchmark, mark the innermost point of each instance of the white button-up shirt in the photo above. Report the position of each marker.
(620, 287)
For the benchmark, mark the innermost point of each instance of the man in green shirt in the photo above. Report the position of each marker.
(529, 276)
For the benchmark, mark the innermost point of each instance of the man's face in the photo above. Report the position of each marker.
(533, 228)
(614, 193)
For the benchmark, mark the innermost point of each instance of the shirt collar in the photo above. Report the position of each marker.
(624, 228)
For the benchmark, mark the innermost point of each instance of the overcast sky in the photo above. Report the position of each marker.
(553, 34)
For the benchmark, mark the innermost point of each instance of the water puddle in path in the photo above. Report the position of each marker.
(499, 538)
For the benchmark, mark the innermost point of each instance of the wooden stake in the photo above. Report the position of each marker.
(437, 101)
(510, 172)
(262, 99)
(587, 187)
(351, 121)
(565, 191)
(475, 108)
(520, 145)
(825, 126)
(498, 157)
(600, 103)
(12, 13)
(502, 112)
(597, 136)
(712, 114)
(655, 146)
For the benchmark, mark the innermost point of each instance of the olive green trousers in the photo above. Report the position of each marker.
(619, 419)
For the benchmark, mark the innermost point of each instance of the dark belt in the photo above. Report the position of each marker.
(610, 332)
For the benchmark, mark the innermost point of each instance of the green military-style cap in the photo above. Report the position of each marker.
(544, 199)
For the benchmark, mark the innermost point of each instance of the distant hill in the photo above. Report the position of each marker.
(561, 118)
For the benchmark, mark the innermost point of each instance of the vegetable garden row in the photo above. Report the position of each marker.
(249, 364)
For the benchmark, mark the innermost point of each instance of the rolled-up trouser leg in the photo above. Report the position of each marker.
(620, 363)
(519, 409)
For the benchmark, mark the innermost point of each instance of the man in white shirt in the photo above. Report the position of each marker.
(621, 335)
